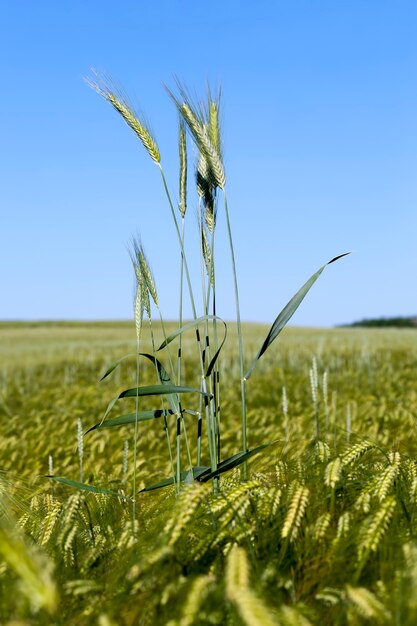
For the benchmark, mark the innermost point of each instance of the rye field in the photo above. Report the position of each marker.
(320, 530)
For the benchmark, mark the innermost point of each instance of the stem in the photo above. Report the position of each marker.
(166, 428)
(180, 415)
(181, 298)
(216, 373)
(180, 242)
(240, 342)
(135, 440)
(203, 380)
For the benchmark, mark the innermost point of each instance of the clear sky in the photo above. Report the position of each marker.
(320, 128)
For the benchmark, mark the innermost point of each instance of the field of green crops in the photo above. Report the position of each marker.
(322, 532)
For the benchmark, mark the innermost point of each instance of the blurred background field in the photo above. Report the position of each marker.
(323, 532)
(49, 377)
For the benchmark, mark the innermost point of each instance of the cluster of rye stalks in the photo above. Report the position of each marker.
(197, 452)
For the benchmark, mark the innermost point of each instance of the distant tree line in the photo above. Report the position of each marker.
(383, 322)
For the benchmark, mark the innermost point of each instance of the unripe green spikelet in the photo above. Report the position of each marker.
(206, 189)
(214, 126)
(199, 590)
(234, 524)
(191, 498)
(281, 471)
(275, 500)
(146, 301)
(295, 513)
(354, 452)
(251, 608)
(322, 451)
(49, 523)
(205, 145)
(367, 604)
(333, 472)
(321, 526)
(135, 124)
(363, 502)
(237, 571)
(388, 476)
(68, 547)
(147, 275)
(374, 530)
(183, 168)
(69, 514)
(343, 525)
(207, 256)
(221, 506)
(138, 307)
(290, 616)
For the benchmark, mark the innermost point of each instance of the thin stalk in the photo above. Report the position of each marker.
(286, 421)
(240, 342)
(216, 373)
(203, 381)
(135, 436)
(180, 416)
(166, 428)
(181, 299)
(334, 412)
(205, 309)
(80, 446)
(180, 242)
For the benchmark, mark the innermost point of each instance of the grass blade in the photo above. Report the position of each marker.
(216, 356)
(84, 487)
(157, 390)
(114, 365)
(197, 472)
(164, 379)
(288, 311)
(192, 324)
(130, 418)
(233, 461)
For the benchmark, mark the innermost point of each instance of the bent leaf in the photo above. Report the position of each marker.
(233, 461)
(164, 379)
(216, 356)
(114, 365)
(161, 371)
(288, 311)
(130, 418)
(192, 324)
(157, 390)
(84, 487)
(198, 471)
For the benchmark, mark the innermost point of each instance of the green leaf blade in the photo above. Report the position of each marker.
(198, 471)
(233, 461)
(130, 418)
(186, 327)
(114, 365)
(158, 390)
(84, 487)
(288, 311)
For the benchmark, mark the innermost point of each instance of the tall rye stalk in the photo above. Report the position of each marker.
(202, 122)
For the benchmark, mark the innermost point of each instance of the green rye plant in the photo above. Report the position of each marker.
(190, 415)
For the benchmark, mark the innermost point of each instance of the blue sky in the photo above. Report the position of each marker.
(320, 129)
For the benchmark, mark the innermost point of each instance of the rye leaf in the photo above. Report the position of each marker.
(164, 379)
(130, 418)
(114, 365)
(197, 471)
(233, 461)
(84, 487)
(192, 324)
(157, 390)
(287, 312)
